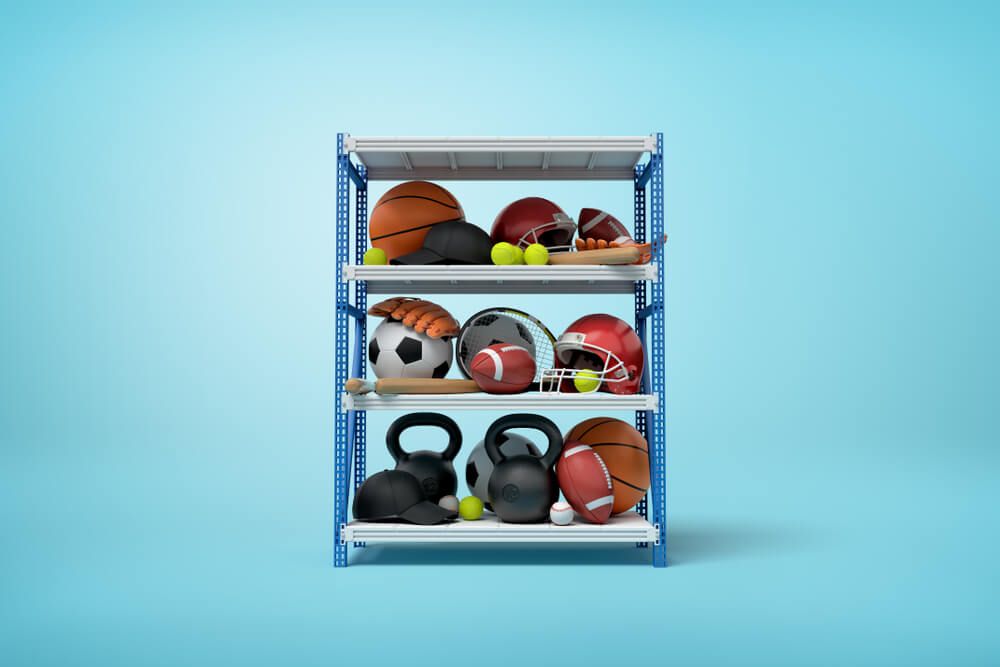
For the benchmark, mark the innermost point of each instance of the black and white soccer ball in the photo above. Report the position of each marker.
(492, 329)
(397, 351)
(479, 467)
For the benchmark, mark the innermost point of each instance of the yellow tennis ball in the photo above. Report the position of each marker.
(375, 256)
(471, 508)
(518, 255)
(503, 254)
(586, 381)
(536, 254)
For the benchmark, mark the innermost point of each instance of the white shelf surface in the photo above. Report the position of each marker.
(627, 527)
(479, 279)
(532, 401)
(500, 158)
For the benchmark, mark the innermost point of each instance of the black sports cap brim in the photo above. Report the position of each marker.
(420, 257)
(426, 513)
(424, 257)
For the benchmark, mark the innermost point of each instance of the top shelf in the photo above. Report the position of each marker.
(500, 158)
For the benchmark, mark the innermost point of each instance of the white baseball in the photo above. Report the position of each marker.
(561, 514)
(449, 503)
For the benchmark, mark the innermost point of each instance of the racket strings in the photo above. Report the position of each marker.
(478, 335)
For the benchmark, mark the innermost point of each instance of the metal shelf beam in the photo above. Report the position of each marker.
(500, 158)
(627, 527)
(501, 279)
(492, 174)
(638, 144)
(530, 401)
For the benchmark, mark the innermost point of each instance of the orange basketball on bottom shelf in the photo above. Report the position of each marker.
(624, 451)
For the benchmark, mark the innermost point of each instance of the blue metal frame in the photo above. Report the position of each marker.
(350, 427)
(341, 351)
(657, 354)
(639, 227)
(359, 438)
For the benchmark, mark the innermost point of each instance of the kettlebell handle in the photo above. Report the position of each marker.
(522, 420)
(423, 419)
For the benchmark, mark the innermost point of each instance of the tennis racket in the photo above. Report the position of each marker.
(509, 326)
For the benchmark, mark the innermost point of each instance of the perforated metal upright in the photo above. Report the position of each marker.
(350, 426)
(656, 343)
(515, 158)
(639, 231)
(341, 435)
(359, 437)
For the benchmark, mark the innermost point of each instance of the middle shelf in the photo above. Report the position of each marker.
(531, 402)
(484, 279)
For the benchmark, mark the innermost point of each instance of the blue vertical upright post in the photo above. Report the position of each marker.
(657, 353)
(340, 356)
(639, 230)
(360, 327)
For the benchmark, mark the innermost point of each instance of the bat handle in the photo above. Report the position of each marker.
(359, 386)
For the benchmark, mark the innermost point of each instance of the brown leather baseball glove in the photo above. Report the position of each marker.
(422, 316)
(646, 249)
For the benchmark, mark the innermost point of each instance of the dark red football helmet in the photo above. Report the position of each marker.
(534, 220)
(606, 347)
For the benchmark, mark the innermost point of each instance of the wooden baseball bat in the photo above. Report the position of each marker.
(626, 255)
(411, 386)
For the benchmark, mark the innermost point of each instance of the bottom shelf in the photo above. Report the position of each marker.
(626, 527)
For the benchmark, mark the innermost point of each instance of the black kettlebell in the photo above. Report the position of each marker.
(523, 487)
(433, 470)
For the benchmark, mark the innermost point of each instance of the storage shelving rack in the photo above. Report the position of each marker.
(638, 159)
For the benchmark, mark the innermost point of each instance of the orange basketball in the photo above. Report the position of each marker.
(624, 451)
(402, 216)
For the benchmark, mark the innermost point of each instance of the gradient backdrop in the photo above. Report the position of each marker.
(167, 206)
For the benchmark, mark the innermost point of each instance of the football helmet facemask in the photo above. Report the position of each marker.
(534, 220)
(605, 346)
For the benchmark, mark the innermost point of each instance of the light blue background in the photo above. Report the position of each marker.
(167, 204)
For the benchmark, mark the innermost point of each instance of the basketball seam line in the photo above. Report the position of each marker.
(589, 429)
(620, 444)
(404, 231)
(637, 488)
(384, 201)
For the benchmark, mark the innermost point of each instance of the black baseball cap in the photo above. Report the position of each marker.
(453, 242)
(395, 495)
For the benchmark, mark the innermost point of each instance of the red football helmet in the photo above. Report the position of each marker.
(534, 220)
(605, 346)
